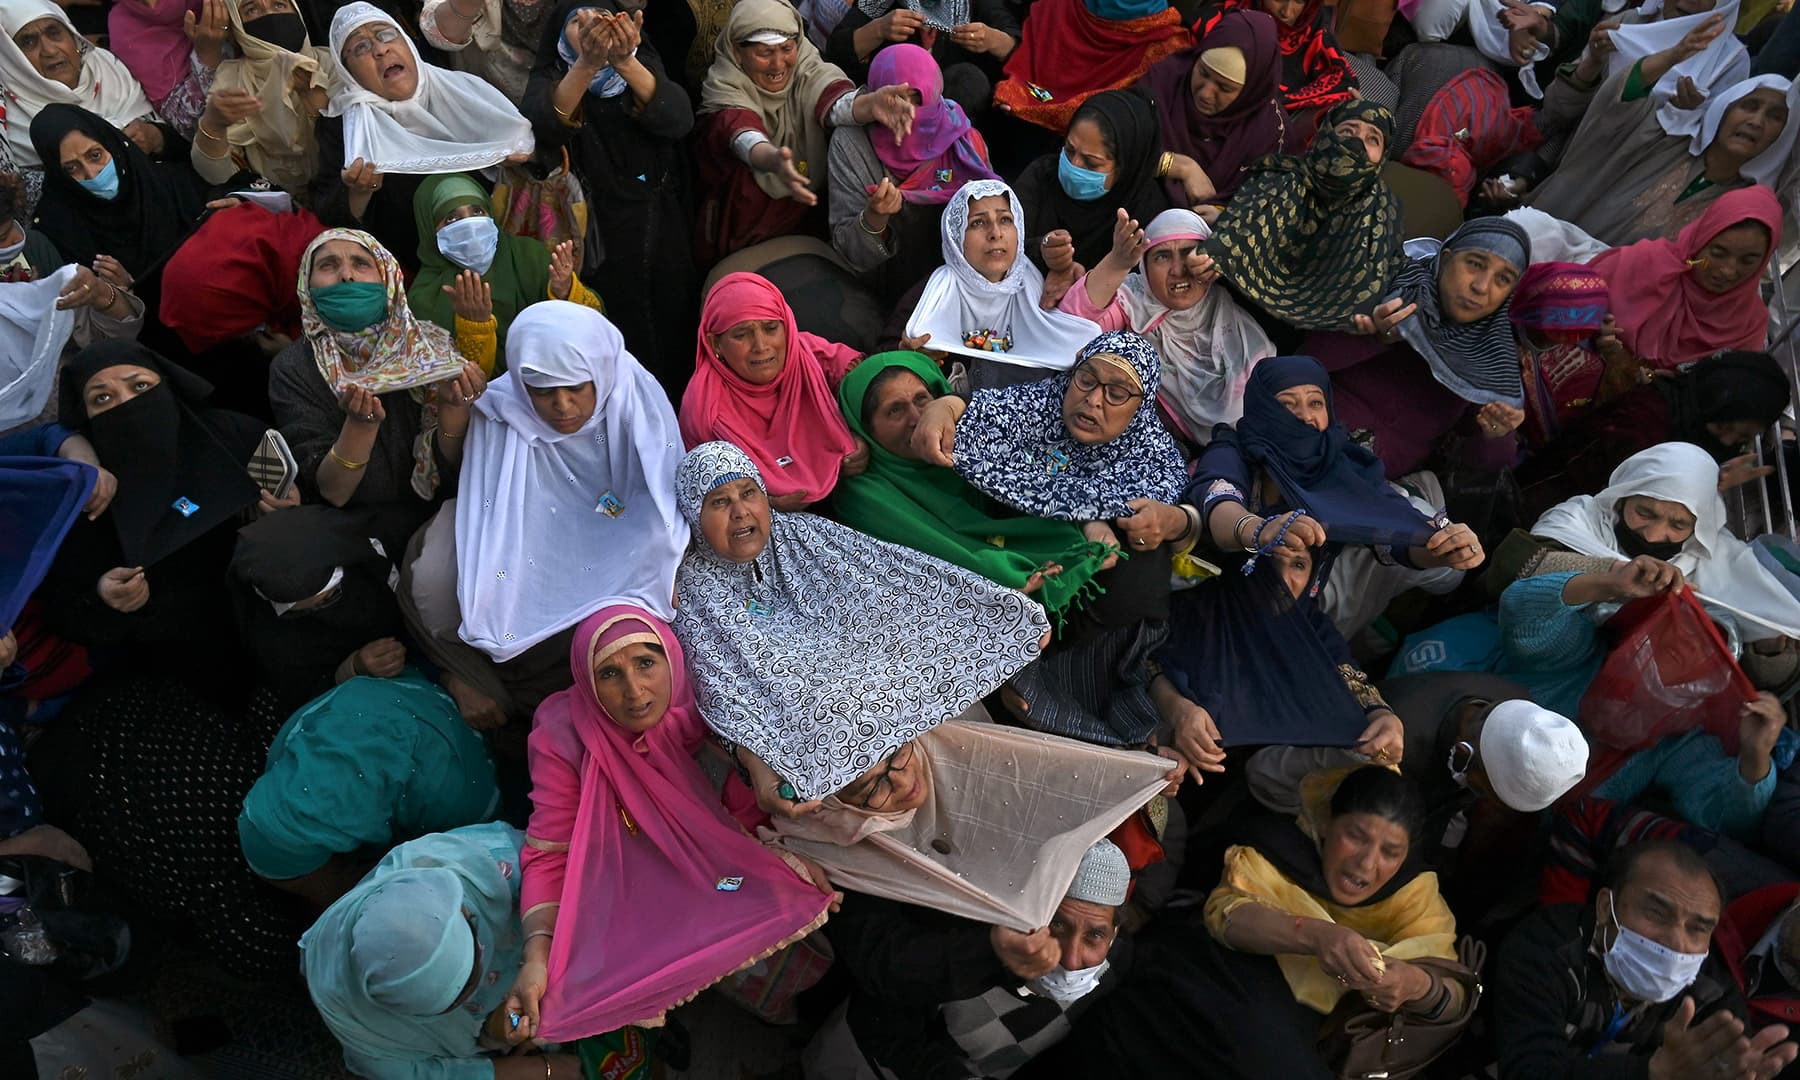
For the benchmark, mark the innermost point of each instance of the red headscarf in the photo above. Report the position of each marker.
(237, 273)
(1068, 54)
(1665, 316)
(791, 427)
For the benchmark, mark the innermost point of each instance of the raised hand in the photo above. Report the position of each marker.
(470, 297)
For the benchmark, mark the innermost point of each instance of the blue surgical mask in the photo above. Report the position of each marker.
(1077, 182)
(106, 185)
(470, 242)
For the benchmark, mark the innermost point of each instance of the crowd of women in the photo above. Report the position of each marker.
(1008, 537)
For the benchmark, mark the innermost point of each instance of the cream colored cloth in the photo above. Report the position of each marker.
(278, 140)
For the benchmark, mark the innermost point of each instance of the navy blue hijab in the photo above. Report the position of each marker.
(1338, 483)
(43, 497)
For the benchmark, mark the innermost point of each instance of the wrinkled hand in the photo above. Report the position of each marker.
(524, 999)
(461, 391)
(1644, 576)
(856, 462)
(1695, 41)
(1347, 956)
(1456, 547)
(1717, 1046)
(208, 32)
(900, 24)
(1741, 470)
(361, 407)
(1384, 740)
(1028, 956)
(1151, 524)
(1195, 736)
(382, 658)
(113, 272)
(562, 269)
(885, 200)
(798, 189)
(267, 503)
(934, 440)
(1386, 319)
(470, 297)
(1128, 242)
(1687, 95)
(106, 485)
(362, 177)
(892, 108)
(84, 290)
(124, 588)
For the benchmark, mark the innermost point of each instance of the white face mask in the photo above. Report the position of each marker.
(1065, 986)
(470, 242)
(1644, 970)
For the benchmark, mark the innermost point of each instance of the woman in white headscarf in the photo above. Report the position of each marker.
(411, 968)
(1207, 343)
(1664, 502)
(397, 119)
(265, 100)
(985, 302)
(45, 60)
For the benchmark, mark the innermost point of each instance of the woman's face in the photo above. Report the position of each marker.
(1296, 570)
(1373, 141)
(895, 785)
(1734, 432)
(734, 520)
(755, 350)
(52, 50)
(466, 211)
(1308, 403)
(111, 387)
(1212, 92)
(249, 10)
(385, 68)
(1657, 521)
(899, 402)
(567, 409)
(1473, 284)
(1099, 403)
(1166, 272)
(1732, 257)
(1084, 146)
(632, 683)
(1752, 123)
(1285, 12)
(81, 157)
(1361, 853)
(991, 238)
(770, 67)
(342, 260)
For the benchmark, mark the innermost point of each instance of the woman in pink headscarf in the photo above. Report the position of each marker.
(886, 198)
(665, 893)
(174, 68)
(1682, 299)
(769, 387)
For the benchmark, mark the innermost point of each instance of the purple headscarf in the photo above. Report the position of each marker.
(1228, 142)
(944, 151)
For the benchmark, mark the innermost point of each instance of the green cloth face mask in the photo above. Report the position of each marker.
(351, 305)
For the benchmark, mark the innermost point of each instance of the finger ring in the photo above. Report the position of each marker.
(368, 416)
(1470, 549)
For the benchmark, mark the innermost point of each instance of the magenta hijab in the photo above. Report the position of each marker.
(944, 151)
(152, 42)
(650, 913)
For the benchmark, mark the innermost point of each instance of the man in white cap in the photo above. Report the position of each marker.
(937, 995)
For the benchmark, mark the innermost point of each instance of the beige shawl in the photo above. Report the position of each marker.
(791, 118)
(278, 141)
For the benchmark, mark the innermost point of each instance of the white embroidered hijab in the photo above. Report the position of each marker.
(552, 527)
(965, 313)
(454, 121)
(105, 86)
(1723, 570)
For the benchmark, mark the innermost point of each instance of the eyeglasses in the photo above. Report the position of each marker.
(1086, 382)
(366, 45)
(883, 788)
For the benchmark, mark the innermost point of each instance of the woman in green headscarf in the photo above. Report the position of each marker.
(932, 509)
(474, 277)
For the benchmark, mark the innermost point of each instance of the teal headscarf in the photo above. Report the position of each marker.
(386, 962)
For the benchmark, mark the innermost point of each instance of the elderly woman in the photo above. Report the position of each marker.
(265, 100)
(1220, 104)
(45, 61)
(312, 828)
(1679, 300)
(567, 504)
(393, 114)
(1315, 75)
(905, 500)
(1452, 361)
(1627, 177)
(765, 108)
(373, 402)
(765, 385)
(1072, 49)
(1110, 160)
(966, 57)
(103, 195)
(986, 302)
(819, 652)
(1313, 240)
(625, 821)
(474, 278)
(1083, 447)
(600, 91)
(1207, 343)
(887, 199)
(411, 968)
